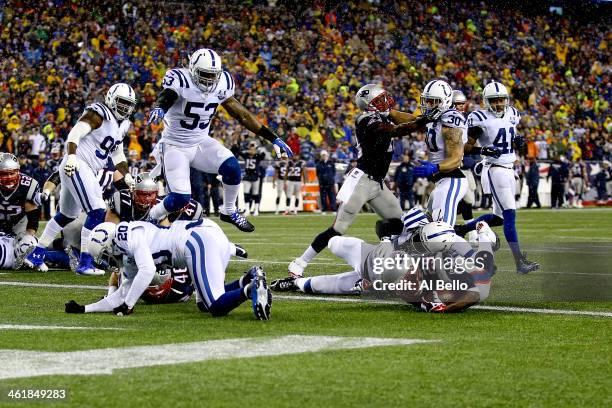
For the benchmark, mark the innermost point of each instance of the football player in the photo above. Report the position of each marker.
(200, 246)
(252, 196)
(295, 177)
(377, 127)
(19, 199)
(495, 127)
(280, 180)
(96, 136)
(418, 238)
(445, 138)
(187, 105)
(13, 250)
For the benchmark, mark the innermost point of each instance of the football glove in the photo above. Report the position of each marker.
(426, 169)
(74, 307)
(433, 114)
(71, 165)
(129, 181)
(519, 141)
(280, 146)
(156, 116)
(491, 151)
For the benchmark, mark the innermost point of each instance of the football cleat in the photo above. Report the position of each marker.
(284, 285)
(86, 266)
(261, 297)
(36, 259)
(123, 310)
(74, 307)
(73, 256)
(241, 252)
(523, 266)
(238, 220)
(461, 230)
(249, 276)
(296, 268)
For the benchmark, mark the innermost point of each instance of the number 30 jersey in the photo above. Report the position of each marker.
(498, 132)
(434, 139)
(187, 122)
(97, 146)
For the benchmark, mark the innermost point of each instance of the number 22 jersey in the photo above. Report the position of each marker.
(187, 122)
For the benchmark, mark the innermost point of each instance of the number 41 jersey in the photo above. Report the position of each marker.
(187, 122)
(96, 147)
(498, 132)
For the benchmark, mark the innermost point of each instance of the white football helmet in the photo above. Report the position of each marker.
(459, 97)
(434, 237)
(205, 69)
(9, 171)
(436, 94)
(373, 98)
(495, 90)
(101, 240)
(121, 99)
(24, 244)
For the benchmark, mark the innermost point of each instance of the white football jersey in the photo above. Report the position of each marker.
(435, 142)
(498, 132)
(7, 251)
(97, 146)
(187, 122)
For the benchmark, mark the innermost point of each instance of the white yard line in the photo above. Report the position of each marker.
(26, 363)
(344, 300)
(36, 327)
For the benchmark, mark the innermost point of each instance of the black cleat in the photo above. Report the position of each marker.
(241, 252)
(238, 220)
(284, 285)
(461, 230)
(523, 266)
(123, 310)
(74, 307)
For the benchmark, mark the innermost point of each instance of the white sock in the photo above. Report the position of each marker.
(158, 211)
(339, 284)
(85, 233)
(111, 289)
(50, 232)
(308, 255)
(139, 285)
(256, 207)
(230, 193)
(107, 304)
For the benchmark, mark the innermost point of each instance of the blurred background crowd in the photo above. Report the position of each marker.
(297, 65)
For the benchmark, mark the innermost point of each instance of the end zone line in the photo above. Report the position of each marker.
(36, 327)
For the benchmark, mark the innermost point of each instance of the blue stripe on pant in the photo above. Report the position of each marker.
(447, 210)
(198, 265)
(494, 193)
(76, 189)
(455, 203)
(80, 180)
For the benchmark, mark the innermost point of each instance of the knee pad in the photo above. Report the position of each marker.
(230, 171)
(94, 218)
(62, 220)
(176, 201)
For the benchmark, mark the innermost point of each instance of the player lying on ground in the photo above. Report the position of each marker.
(418, 239)
(200, 246)
(376, 128)
(187, 105)
(96, 136)
(495, 127)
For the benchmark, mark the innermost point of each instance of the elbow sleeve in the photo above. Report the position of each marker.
(78, 131)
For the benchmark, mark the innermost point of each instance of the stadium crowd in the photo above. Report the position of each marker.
(298, 64)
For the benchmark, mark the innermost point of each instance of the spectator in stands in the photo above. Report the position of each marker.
(404, 182)
(326, 173)
(533, 181)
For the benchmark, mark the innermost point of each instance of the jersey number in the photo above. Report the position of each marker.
(295, 172)
(122, 233)
(502, 142)
(431, 141)
(250, 164)
(195, 117)
(107, 146)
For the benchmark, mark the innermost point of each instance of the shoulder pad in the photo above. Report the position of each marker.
(101, 109)
(228, 81)
(175, 79)
(368, 118)
(453, 118)
(475, 118)
(32, 189)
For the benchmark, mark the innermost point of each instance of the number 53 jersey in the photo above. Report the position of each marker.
(498, 132)
(187, 122)
(97, 146)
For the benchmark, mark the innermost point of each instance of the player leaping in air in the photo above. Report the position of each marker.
(495, 127)
(187, 105)
(96, 136)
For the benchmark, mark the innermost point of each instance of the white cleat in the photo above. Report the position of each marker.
(296, 268)
(90, 272)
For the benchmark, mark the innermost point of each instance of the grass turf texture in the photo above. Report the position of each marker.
(484, 358)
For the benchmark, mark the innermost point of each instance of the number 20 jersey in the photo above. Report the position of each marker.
(187, 122)
(434, 139)
(96, 147)
(498, 132)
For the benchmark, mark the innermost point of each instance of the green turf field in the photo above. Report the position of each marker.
(482, 357)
